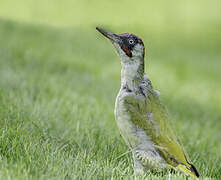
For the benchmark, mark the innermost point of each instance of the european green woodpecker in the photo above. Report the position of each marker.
(140, 116)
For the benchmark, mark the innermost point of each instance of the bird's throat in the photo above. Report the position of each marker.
(132, 74)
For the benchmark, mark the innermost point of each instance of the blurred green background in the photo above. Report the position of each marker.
(59, 79)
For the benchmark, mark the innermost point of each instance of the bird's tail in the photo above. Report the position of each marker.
(189, 170)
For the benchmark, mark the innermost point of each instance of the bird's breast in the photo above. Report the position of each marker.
(132, 134)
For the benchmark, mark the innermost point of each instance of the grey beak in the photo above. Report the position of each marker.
(113, 37)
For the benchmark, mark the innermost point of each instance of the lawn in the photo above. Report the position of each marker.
(59, 79)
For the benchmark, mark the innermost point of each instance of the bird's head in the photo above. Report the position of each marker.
(129, 46)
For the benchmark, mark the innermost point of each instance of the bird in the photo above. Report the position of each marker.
(141, 118)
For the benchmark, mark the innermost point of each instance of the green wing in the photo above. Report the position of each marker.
(151, 116)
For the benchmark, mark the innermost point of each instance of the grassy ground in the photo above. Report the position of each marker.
(59, 79)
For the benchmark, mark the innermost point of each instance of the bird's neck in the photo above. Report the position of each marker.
(132, 74)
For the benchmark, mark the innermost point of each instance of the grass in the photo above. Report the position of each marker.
(59, 80)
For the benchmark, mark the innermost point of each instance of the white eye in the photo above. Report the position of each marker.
(131, 41)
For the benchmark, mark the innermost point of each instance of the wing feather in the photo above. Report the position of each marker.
(157, 127)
